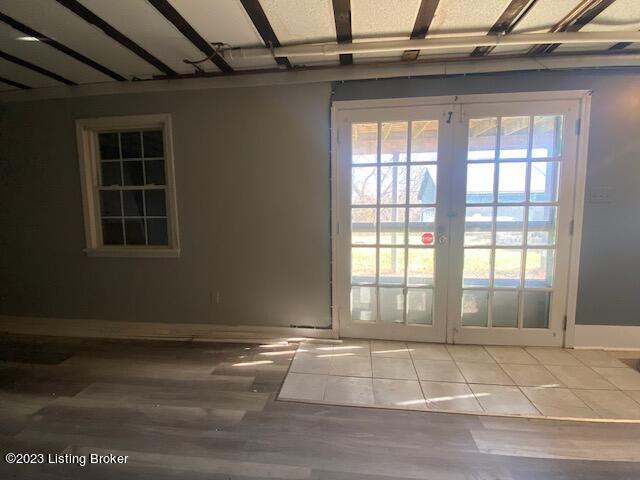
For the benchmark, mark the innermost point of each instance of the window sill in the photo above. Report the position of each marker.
(133, 252)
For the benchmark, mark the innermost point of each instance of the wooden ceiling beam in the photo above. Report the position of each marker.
(264, 28)
(342, 16)
(421, 25)
(512, 15)
(60, 47)
(620, 46)
(90, 17)
(573, 22)
(172, 15)
(19, 85)
(36, 68)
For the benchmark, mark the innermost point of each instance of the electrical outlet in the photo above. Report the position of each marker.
(600, 195)
(214, 297)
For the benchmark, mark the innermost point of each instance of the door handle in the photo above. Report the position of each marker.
(441, 231)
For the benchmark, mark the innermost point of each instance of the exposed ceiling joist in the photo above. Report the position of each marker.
(178, 30)
(421, 26)
(620, 46)
(441, 67)
(264, 28)
(19, 85)
(342, 16)
(574, 21)
(515, 11)
(171, 14)
(60, 47)
(36, 68)
(90, 17)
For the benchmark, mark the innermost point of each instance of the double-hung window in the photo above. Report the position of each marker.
(128, 186)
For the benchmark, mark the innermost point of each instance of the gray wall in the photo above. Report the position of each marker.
(252, 171)
(252, 174)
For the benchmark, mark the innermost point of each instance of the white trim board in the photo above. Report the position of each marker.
(330, 74)
(580, 180)
(67, 327)
(608, 337)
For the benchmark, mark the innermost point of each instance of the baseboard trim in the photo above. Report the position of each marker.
(67, 327)
(610, 337)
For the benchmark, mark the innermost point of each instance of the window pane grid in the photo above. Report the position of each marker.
(385, 164)
(406, 222)
(528, 158)
(525, 233)
(137, 187)
(376, 279)
(497, 265)
(137, 217)
(370, 205)
(157, 217)
(490, 204)
(392, 169)
(367, 245)
(144, 196)
(505, 289)
(134, 159)
(399, 253)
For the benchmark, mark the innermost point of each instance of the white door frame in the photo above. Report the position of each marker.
(583, 96)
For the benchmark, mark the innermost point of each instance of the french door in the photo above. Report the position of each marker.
(394, 255)
(453, 220)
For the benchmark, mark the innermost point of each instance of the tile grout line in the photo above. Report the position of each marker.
(588, 367)
(513, 380)
(551, 373)
(324, 390)
(632, 398)
(373, 392)
(530, 401)
(453, 360)
(491, 355)
(424, 396)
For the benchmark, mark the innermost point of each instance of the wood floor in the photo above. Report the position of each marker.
(208, 411)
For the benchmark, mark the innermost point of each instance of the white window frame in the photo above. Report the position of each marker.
(87, 130)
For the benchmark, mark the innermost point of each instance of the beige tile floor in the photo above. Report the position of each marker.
(530, 381)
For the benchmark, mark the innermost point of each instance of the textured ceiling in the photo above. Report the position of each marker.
(146, 39)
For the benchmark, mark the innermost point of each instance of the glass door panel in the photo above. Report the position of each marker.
(512, 160)
(394, 209)
(496, 256)
(388, 202)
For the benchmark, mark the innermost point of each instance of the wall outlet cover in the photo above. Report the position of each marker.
(600, 195)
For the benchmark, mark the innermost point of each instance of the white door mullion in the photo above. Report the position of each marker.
(378, 202)
(407, 194)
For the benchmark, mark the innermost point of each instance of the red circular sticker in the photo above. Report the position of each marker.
(427, 238)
